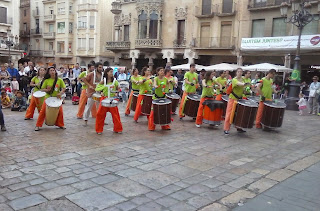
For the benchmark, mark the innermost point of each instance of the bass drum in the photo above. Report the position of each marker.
(52, 110)
(212, 112)
(225, 99)
(192, 105)
(146, 105)
(175, 100)
(245, 114)
(273, 114)
(134, 101)
(162, 111)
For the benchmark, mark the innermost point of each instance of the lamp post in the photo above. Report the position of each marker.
(9, 43)
(301, 16)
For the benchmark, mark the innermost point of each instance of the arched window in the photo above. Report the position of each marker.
(153, 29)
(143, 25)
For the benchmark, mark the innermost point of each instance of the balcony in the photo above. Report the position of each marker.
(49, 35)
(25, 33)
(223, 10)
(36, 32)
(148, 43)
(36, 13)
(64, 55)
(49, 18)
(179, 43)
(25, 3)
(82, 52)
(206, 11)
(214, 42)
(36, 53)
(118, 45)
(262, 5)
(48, 1)
(87, 7)
(48, 53)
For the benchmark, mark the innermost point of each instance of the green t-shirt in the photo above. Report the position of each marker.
(146, 87)
(192, 78)
(247, 88)
(223, 82)
(238, 90)
(134, 80)
(162, 87)
(104, 89)
(82, 75)
(208, 91)
(170, 84)
(266, 88)
(36, 80)
(48, 83)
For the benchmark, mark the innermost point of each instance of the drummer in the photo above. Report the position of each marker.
(171, 81)
(91, 80)
(221, 82)
(207, 94)
(145, 88)
(36, 83)
(247, 79)
(83, 96)
(160, 85)
(102, 111)
(265, 91)
(191, 85)
(237, 91)
(54, 87)
(135, 88)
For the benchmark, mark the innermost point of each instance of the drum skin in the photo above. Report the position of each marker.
(162, 111)
(192, 105)
(245, 114)
(273, 114)
(52, 110)
(96, 97)
(225, 99)
(146, 105)
(175, 101)
(109, 102)
(213, 117)
(134, 101)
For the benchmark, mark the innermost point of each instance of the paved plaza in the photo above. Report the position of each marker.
(184, 169)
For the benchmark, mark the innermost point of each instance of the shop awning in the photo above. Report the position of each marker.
(223, 66)
(187, 67)
(264, 67)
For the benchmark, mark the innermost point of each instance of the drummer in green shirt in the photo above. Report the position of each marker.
(247, 79)
(221, 81)
(135, 78)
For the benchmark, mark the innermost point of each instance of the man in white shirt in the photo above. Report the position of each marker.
(122, 76)
(76, 72)
(314, 95)
(27, 68)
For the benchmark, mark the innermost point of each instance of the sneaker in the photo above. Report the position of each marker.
(27, 118)
(79, 117)
(241, 130)
(36, 129)
(118, 132)
(99, 133)
(3, 128)
(63, 128)
(226, 132)
(198, 126)
(136, 121)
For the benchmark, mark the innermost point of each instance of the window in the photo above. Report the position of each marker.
(61, 27)
(82, 22)
(312, 27)
(206, 7)
(279, 27)
(258, 28)
(143, 25)
(181, 31)
(61, 8)
(92, 20)
(126, 33)
(260, 3)
(153, 27)
(25, 13)
(91, 43)
(81, 43)
(50, 46)
(70, 27)
(51, 28)
(227, 6)
(25, 27)
(60, 45)
(70, 47)
(70, 8)
(3, 15)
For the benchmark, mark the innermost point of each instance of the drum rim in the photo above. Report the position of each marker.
(174, 94)
(273, 106)
(253, 105)
(54, 98)
(197, 99)
(165, 103)
(149, 95)
(95, 95)
(39, 91)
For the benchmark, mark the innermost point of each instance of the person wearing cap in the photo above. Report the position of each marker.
(191, 85)
(314, 93)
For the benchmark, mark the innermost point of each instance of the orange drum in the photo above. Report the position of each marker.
(213, 112)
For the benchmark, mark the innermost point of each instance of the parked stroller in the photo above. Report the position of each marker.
(68, 88)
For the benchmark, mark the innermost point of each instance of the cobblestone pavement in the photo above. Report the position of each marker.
(185, 169)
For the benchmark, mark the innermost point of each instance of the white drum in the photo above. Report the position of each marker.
(39, 94)
(109, 102)
(52, 110)
(96, 97)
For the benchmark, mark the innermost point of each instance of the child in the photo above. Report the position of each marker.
(75, 99)
(6, 102)
(8, 88)
(302, 104)
(19, 102)
(15, 83)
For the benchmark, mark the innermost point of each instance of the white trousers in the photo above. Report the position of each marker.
(87, 110)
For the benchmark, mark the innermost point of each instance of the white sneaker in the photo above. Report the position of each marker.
(198, 126)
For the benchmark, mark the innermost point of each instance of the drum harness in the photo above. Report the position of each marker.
(109, 91)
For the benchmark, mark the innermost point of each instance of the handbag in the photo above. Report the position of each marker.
(312, 93)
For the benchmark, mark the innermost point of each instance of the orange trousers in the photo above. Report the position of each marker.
(35, 102)
(200, 110)
(138, 107)
(42, 116)
(101, 116)
(129, 103)
(152, 126)
(229, 114)
(82, 105)
(259, 114)
(219, 97)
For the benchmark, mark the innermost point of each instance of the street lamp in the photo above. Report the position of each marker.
(300, 18)
(9, 42)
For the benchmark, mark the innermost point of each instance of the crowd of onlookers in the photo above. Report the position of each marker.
(15, 85)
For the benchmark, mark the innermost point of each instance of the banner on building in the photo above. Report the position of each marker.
(280, 43)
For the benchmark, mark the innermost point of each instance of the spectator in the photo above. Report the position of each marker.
(13, 71)
(6, 102)
(302, 104)
(122, 76)
(75, 99)
(314, 95)
(72, 79)
(304, 88)
(15, 83)
(61, 73)
(23, 80)
(76, 71)
(19, 103)
(200, 78)
(180, 76)
(4, 75)
(3, 127)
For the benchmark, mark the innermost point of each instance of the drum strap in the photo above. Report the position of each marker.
(236, 95)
